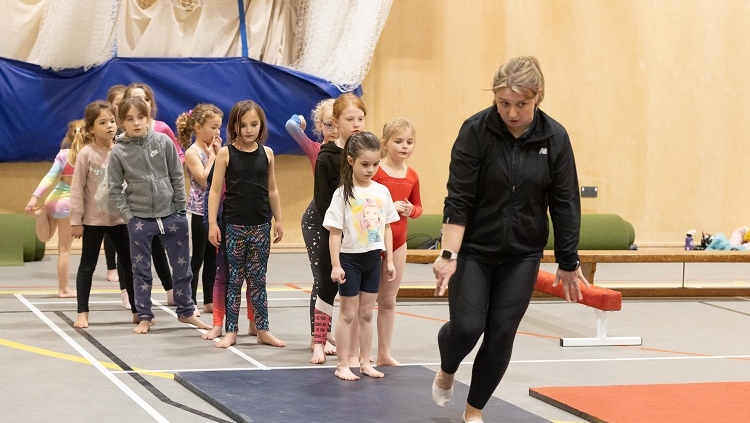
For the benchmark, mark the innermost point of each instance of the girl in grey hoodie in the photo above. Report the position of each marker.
(152, 202)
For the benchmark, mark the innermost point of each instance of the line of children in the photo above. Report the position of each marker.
(153, 206)
(246, 166)
(54, 214)
(361, 210)
(90, 214)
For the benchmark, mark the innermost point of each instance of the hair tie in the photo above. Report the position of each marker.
(78, 129)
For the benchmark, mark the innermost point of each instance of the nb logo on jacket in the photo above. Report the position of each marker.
(543, 150)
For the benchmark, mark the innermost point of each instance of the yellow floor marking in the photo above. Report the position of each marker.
(54, 354)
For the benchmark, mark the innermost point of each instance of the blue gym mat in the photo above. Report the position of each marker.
(315, 395)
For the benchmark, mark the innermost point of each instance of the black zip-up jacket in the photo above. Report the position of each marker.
(500, 188)
(327, 170)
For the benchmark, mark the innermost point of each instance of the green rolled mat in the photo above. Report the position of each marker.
(423, 229)
(21, 230)
(601, 232)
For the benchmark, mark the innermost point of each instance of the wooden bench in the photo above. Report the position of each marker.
(590, 258)
(602, 300)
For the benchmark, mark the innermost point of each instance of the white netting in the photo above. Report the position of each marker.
(75, 33)
(336, 39)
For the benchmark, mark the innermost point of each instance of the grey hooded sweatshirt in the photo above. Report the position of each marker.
(152, 170)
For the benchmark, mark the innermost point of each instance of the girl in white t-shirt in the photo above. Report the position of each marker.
(359, 219)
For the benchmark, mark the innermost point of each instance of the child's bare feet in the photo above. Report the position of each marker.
(82, 321)
(344, 373)
(112, 275)
(329, 349)
(387, 361)
(137, 320)
(143, 327)
(368, 370)
(192, 320)
(208, 308)
(196, 312)
(215, 332)
(228, 340)
(125, 299)
(319, 355)
(170, 297)
(266, 337)
(252, 330)
(66, 293)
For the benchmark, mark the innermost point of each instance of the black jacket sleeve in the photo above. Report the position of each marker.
(565, 202)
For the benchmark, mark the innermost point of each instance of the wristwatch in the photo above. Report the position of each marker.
(448, 255)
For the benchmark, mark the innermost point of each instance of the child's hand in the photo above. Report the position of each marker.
(31, 204)
(215, 146)
(302, 123)
(214, 235)
(390, 271)
(337, 275)
(403, 207)
(76, 231)
(278, 232)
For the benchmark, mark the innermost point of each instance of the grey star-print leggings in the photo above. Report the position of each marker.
(173, 232)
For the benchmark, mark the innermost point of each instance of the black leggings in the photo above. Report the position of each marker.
(90, 248)
(490, 300)
(204, 254)
(159, 256)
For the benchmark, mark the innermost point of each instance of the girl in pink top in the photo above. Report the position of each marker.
(403, 184)
(90, 215)
(54, 215)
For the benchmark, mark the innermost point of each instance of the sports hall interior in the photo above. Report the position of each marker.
(651, 93)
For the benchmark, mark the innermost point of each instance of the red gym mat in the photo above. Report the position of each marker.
(725, 402)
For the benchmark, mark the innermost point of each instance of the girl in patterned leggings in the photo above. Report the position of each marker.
(252, 199)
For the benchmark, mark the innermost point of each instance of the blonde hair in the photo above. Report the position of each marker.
(317, 115)
(186, 121)
(393, 128)
(74, 139)
(522, 75)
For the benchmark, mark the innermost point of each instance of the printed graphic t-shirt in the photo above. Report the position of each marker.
(363, 220)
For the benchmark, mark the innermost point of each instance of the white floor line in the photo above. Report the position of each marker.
(203, 331)
(94, 362)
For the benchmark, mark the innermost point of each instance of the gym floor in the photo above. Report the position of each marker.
(53, 372)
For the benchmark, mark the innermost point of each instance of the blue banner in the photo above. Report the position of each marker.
(36, 104)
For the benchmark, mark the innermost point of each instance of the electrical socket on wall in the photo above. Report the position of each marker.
(589, 191)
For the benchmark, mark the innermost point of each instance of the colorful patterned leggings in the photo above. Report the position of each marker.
(247, 251)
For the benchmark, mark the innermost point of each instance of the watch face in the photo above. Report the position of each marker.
(446, 254)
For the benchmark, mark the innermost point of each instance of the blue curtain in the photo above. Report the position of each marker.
(36, 104)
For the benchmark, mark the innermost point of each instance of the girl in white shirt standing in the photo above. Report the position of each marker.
(361, 211)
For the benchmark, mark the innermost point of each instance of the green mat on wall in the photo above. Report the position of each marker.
(18, 241)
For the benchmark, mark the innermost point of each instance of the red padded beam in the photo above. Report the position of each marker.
(595, 296)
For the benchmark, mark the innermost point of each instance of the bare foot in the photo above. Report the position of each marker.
(137, 320)
(215, 332)
(112, 275)
(143, 327)
(387, 361)
(170, 298)
(125, 300)
(192, 320)
(368, 370)
(253, 330)
(318, 356)
(196, 313)
(208, 308)
(355, 359)
(267, 338)
(228, 340)
(82, 321)
(344, 373)
(329, 349)
(66, 294)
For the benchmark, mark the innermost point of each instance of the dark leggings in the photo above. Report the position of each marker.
(204, 254)
(90, 248)
(311, 227)
(323, 293)
(161, 263)
(110, 253)
(490, 300)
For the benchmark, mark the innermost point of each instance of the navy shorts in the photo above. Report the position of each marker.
(361, 271)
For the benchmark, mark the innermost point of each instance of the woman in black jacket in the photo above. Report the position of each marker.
(510, 165)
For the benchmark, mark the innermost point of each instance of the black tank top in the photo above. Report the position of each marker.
(246, 201)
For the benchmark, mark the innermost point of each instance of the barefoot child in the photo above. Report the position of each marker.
(54, 215)
(153, 205)
(403, 184)
(203, 121)
(361, 210)
(246, 166)
(90, 214)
